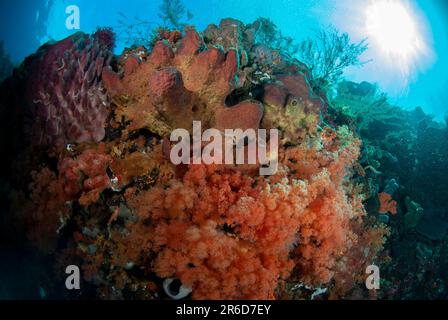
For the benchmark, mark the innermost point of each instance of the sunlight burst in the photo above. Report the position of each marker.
(395, 30)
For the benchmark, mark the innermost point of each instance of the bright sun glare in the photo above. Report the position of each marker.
(395, 30)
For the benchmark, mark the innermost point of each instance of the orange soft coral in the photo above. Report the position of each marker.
(387, 204)
(46, 210)
(85, 176)
(367, 244)
(221, 236)
(229, 235)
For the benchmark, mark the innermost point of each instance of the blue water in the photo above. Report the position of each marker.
(27, 24)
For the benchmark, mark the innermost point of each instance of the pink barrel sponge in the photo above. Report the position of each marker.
(65, 91)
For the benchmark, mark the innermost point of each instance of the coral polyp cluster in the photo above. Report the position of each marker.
(107, 197)
(230, 235)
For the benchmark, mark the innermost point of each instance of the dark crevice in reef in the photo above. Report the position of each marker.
(148, 134)
(241, 94)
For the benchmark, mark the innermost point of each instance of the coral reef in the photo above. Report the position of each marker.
(404, 152)
(108, 198)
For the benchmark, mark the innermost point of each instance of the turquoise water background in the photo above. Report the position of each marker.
(25, 25)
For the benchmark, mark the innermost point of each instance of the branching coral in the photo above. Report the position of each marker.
(328, 54)
(267, 33)
(135, 32)
(172, 12)
(138, 32)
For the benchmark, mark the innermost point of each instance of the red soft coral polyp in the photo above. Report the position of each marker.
(85, 176)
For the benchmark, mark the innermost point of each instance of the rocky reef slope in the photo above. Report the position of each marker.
(90, 182)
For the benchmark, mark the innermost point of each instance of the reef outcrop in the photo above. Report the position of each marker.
(403, 154)
(131, 218)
